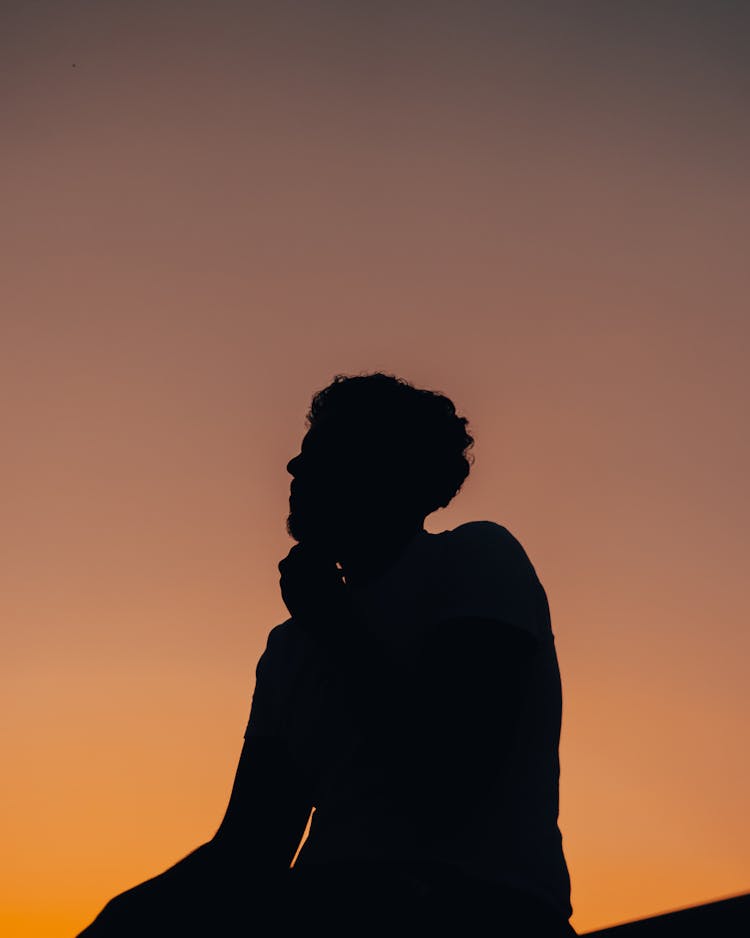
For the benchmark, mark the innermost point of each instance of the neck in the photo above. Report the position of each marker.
(373, 554)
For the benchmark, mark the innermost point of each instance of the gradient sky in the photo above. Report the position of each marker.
(209, 209)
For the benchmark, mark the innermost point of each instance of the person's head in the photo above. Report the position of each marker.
(379, 454)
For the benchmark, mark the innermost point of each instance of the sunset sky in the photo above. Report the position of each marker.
(210, 209)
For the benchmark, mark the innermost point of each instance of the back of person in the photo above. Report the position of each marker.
(497, 856)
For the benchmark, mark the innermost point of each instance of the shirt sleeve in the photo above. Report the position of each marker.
(489, 575)
(273, 678)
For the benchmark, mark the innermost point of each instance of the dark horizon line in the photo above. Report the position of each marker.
(727, 912)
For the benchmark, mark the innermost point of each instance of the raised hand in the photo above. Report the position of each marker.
(312, 587)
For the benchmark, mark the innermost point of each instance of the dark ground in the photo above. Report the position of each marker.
(724, 919)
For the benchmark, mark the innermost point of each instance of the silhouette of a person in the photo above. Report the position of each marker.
(412, 699)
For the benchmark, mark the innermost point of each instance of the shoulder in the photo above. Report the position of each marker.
(489, 575)
(481, 532)
(281, 634)
(490, 542)
(286, 644)
(278, 639)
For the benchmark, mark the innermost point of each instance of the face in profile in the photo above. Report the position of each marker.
(340, 488)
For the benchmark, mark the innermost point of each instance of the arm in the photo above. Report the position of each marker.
(268, 808)
(262, 827)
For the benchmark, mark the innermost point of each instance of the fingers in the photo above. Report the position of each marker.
(306, 558)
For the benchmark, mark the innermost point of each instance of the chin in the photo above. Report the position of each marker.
(304, 528)
(301, 526)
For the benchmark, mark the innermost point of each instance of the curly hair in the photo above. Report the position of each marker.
(420, 428)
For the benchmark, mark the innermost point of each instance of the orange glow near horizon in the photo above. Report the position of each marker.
(214, 213)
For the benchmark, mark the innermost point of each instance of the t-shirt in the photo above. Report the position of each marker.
(476, 569)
